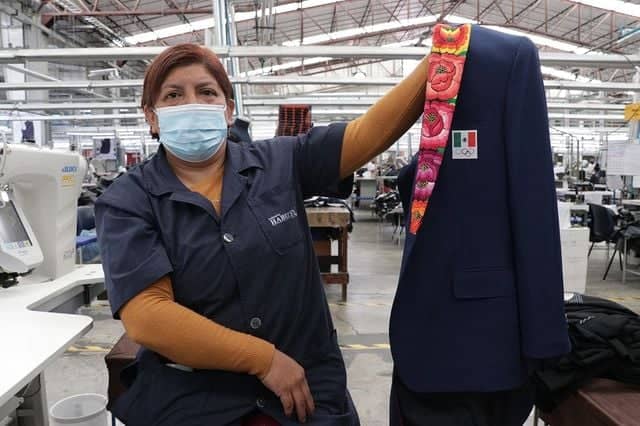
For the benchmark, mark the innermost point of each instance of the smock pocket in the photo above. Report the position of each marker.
(277, 215)
(480, 284)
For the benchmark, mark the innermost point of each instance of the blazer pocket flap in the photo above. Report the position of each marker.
(484, 284)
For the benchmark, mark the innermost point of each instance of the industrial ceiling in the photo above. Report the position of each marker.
(591, 28)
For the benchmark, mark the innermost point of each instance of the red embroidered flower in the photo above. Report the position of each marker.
(433, 158)
(417, 212)
(445, 73)
(433, 122)
(420, 192)
(429, 189)
(429, 173)
(429, 163)
(429, 166)
(436, 123)
(417, 209)
(451, 40)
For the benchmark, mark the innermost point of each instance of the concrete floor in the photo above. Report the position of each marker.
(361, 322)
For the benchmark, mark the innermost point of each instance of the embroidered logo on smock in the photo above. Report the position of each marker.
(282, 217)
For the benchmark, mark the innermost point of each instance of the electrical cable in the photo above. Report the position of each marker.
(32, 394)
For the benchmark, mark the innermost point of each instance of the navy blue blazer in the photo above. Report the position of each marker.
(480, 288)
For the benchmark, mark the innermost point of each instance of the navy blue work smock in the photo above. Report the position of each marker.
(252, 269)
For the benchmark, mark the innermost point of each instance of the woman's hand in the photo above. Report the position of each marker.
(287, 380)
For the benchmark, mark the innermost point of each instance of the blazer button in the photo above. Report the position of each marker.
(228, 238)
(255, 323)
(260, 403)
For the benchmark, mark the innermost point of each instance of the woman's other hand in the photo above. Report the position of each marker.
(286, 378)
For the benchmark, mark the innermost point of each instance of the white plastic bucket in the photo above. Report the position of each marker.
(87, 409)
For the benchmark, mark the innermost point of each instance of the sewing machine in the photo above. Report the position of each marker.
(39, 188)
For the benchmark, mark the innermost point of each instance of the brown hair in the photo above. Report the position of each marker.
(177, 56)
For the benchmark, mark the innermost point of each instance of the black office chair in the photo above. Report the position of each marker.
(86, 219)
(122, 355)
(602, 227)
(629, 229)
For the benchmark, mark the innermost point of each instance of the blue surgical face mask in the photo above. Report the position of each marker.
(192, 132)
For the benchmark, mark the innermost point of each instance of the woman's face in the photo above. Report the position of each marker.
(189, 84)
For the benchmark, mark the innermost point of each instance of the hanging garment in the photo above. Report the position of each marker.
(605, 340)
(480, 290)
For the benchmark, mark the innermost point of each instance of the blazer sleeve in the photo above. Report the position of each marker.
(533, 210)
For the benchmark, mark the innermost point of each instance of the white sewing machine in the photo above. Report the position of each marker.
(39, 189)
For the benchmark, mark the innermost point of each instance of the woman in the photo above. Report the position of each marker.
(209, 261)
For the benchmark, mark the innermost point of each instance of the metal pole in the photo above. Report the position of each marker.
(101, 54)
(35, 404)
(234, 67)
(634, 131)
(624, 263)
(571, 160)
(45, 77)
(578, 155)
(261, 104)
(156, 12)
(219, 18)
(304, 80)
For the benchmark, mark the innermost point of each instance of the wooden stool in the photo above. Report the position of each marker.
(259, 420)
(601, 402)
(338, 218)
(121, 355)
(124, 353)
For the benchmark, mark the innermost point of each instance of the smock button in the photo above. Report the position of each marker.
(228, 238)
(255, 323)
(260, 403)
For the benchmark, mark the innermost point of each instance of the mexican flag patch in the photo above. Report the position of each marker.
(464, 144)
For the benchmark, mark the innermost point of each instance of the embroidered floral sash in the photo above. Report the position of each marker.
(446, 63)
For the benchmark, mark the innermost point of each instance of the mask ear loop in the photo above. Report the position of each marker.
(157, 136)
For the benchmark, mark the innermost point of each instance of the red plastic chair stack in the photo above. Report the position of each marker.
(293, 120)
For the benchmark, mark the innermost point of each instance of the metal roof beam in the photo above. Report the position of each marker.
(47, 78)
(274, 115)
(29, 20)
(277, 80)
(43, 106)
(68, 84)
(585, 106)
(76, 117)
(609, 86)
(337, 102)
(368, 101)
(303, 80)
(140, 53)
(137, 12)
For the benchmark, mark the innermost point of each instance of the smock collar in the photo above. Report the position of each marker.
(160, 178)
